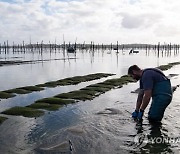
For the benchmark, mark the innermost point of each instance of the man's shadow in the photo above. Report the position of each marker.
(153, 140)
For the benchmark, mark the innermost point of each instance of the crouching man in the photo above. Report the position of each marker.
(153, 84)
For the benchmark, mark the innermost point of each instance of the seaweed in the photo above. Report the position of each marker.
(32, 88)
(168, 66)
(63, 82)
(23, 111)
(55, 100)
(2, 119)
(5, 95)
(77, 95)
(18, 91)
(45, 106)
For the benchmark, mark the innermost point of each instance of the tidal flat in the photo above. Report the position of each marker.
(66, 113)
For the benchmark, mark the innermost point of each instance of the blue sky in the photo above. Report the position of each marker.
(101, 21)
(8, 1)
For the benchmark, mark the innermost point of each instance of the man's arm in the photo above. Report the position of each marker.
(146, 99)
(139, 99)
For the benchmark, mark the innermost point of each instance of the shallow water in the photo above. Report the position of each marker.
(103, 125)
(86, 62)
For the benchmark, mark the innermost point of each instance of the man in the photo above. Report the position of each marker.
(153, 83)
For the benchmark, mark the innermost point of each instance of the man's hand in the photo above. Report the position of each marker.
(135, 114)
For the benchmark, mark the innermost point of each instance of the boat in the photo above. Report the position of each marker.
(133, 51)
(71, 49)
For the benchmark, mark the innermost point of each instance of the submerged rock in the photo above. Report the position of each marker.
(76, 130)
(110, 111)
(63, 147)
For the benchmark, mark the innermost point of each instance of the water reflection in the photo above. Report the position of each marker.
(58, 64)
(153, 140)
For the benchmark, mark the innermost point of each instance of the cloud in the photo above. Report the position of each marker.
(128, 21)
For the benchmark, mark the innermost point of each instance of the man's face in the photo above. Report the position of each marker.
(135, 76)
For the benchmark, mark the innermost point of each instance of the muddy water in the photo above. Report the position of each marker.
(103, 125)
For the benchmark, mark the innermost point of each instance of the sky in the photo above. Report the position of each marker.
(100, 21)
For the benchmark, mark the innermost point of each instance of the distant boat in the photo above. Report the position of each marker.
(133, 51)
(71, 49)
(83, 48)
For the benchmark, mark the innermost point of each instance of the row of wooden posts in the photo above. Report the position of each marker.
(40, 47)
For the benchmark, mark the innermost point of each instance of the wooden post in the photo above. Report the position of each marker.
(55, 45)
(158, 48)
(21, 48)
(13, 47)
(75, 46)
(117, 47)
(36, 47)
(32, 48)
(102, 46)
(122, 47)
(18, 47)
(111, 46)
(170, 47)
(7, 47)
(24, 47)
(69, 44)
(41, 46)
(64, 46)
(50, 46)
(93, 46)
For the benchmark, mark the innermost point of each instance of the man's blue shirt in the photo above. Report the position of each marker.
(151, 76)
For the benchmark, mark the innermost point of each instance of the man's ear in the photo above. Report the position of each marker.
(134, 72)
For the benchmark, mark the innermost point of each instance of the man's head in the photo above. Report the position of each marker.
(135, 72)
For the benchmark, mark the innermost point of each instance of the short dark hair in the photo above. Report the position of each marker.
(133, 68)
